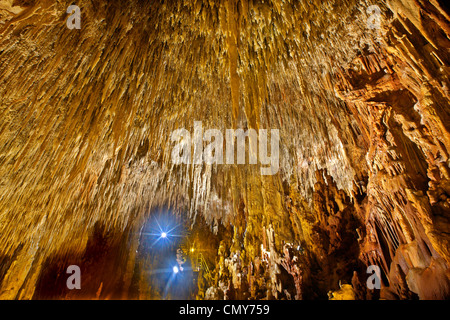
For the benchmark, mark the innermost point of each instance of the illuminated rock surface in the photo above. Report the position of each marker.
(85, 151)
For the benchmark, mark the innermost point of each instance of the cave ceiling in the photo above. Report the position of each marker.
(356, 90)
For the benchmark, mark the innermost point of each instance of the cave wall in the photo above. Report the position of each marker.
(86, 118)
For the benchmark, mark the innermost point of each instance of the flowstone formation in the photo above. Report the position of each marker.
(359, 91)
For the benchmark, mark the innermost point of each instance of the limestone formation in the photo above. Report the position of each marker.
(358, 89)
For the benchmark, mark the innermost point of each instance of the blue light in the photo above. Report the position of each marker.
(162, 234)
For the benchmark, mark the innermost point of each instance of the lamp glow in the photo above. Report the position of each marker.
(175, 269)
(163, 235)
